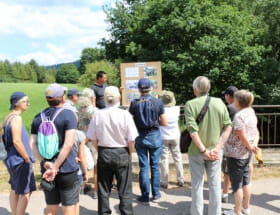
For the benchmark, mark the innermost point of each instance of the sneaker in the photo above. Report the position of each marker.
(246, 211)
(156, 199)
(180, 184)
(225, 198)
(94, 195)
(164, 186)
(230, 212)
(143, 201)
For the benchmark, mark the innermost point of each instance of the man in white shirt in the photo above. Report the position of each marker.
(113, 131)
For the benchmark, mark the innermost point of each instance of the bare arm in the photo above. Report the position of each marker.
(224, 137)
(131, 147)
(82, 157)
(33, 146)
(242, 137)
(162, 120)
(66, 148)
(16, 127)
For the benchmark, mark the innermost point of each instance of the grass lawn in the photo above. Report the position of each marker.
(35, 93)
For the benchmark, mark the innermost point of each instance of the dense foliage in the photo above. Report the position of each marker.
(233, 42)
(228, 41)
(89, 77)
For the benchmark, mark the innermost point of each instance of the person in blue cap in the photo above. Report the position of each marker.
(148, 114)
(20, 158)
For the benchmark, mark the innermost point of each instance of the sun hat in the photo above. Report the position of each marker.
(167, 98)
(15, 97)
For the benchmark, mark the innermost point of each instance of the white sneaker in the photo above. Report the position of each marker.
(246, 211)
(230, 212)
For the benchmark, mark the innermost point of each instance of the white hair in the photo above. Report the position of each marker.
(201, 85)
(112, 95)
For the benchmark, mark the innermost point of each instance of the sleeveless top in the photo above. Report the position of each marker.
(14, 158)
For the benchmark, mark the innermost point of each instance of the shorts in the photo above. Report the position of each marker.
(239, 173)
(22, 178)
(66, 191)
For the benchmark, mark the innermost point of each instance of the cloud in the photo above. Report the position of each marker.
(68, 25)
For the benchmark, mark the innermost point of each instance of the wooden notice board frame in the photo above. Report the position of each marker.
(132, 72)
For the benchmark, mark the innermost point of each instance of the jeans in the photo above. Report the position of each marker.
(173, 146)
(213, 171)
(114, 161)
(148, 147)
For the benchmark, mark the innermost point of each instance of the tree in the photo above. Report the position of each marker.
(191, 38)
(90, 55)
(67, 73)
(89, 77)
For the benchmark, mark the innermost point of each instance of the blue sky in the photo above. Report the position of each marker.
(50, 31)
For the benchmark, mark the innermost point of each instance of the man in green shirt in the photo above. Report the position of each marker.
(208, 138)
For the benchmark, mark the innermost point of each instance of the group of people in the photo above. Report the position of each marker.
(150, 126)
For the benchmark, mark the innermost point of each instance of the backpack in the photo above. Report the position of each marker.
(146, 114)
(47, 138)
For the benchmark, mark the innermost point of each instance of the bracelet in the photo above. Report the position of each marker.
(203, 151)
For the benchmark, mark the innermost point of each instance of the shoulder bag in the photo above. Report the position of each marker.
(185, 138)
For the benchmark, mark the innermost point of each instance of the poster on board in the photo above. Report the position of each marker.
(132, 72)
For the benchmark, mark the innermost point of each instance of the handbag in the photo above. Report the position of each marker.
(185, 137)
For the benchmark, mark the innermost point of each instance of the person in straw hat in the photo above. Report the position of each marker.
(170, 135)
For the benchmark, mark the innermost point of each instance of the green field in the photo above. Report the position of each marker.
(35, 93)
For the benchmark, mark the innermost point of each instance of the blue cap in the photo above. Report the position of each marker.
(15, 97)
(73, 91)
(144, 84)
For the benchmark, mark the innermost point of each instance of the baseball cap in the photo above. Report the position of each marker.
(15, 97)
(73, 91)
(167, 98)
(55, 90)
(230, 90)
(144, 84)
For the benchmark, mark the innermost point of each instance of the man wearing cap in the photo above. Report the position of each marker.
(208, 138)
(98, 87)
(72, 99)
(170, 135)
(148, 110)
(62, 168)
(113, 131)
(228, 94)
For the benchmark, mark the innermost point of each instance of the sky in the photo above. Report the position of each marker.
(50, 31)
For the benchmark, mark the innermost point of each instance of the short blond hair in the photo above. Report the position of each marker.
(244, 97)
(87, 92)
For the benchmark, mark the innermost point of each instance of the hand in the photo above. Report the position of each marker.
(27, 160)
(85, 177)
(253, 149)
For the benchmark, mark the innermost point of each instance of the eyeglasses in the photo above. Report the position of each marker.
(26, 102)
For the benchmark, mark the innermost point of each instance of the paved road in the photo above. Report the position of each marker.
(176, 201)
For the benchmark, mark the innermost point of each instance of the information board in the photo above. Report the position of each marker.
(132, 72)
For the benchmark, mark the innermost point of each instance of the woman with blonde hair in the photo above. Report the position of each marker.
(20, 158)
(239, 148)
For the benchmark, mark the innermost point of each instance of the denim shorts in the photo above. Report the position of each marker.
(66, 191)
(239, 173)
(22, 178)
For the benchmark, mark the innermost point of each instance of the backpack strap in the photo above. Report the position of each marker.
(56, 113)
(45, 118)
